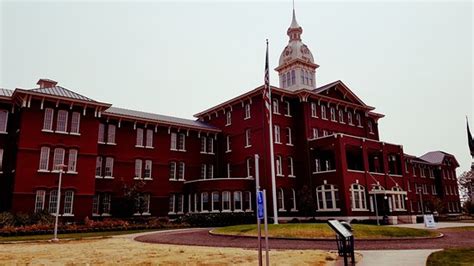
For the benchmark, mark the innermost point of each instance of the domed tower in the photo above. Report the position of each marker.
(296, 68)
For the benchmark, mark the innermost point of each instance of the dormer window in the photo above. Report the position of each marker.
(288, 79)
(283, 80)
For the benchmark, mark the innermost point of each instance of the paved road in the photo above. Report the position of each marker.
(201, 237)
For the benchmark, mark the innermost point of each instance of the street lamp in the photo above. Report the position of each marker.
(60, 166)
(375, 197)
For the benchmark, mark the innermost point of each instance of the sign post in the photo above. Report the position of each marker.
(345, 240)
(261, 203)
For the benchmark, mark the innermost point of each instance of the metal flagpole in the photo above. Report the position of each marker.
(257, 189)
(270, 131)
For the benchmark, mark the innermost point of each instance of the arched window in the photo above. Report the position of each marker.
(359, 122)
(358, 201)
(281, 200)
(293, 200)
(327, 197)
(279, 169)
(398, 202)
(341, 116)
(228, 118)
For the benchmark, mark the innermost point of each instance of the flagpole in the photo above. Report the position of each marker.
(270, 132)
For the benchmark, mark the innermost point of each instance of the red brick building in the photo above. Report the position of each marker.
(326, 144)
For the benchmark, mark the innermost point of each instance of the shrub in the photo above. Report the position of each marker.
(217, 219)
(42, 217)
(22, 219)
(6, 219)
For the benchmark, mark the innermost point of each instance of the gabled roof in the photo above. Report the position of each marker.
(163, 119)
(326, 87)
(437, 157)
(63, 92)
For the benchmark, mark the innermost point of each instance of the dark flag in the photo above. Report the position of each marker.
(266, 90)
(470, 140)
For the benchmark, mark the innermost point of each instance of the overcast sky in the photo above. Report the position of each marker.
(413, 61)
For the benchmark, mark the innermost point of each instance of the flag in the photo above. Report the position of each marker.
(266, 90)
(470, 140)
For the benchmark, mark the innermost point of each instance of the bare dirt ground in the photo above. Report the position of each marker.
(126, 251)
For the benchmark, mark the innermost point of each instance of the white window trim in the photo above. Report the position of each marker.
(294, 208)
(229, 201)
(324, 208)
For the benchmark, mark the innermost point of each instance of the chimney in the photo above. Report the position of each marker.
(46, 83)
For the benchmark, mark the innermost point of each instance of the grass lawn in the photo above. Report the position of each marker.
(452, 256)
(459, 229)
(126, 251)
(324, 231)
(71, 236)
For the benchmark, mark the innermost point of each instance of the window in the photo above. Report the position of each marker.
(288, 108)
(288, 79)
(275, 105)
(172, 170)
(215, 201)
(149, 138)
(95, 204)
(369, 125)
(327, 197)
(44, 159)
(204, 202)
(349, 118)
(181, 171)
(226, 201)
(210, 145)
(138, 169)
(293, 200)
(249, 167)
(341, 116)
(148, 166)
(248, 201)
(290, 167)
(196, 202)
(109, 167)
(72, 161)
(98, 167)
(181, 142)
(247, 138)
(247, 111)
(313, 110)
(333, 113)
(75, 122)
(228, 144)
(228, 170)
(228, 118)
(39, 200)
(315, 133)
(180, 203)
(289, 137)
(100, 138)
(398, 201)
(203, 171)
(53, 201)
(68, 202)
(203, 144)
(174, 138)
(142, 204)
(172, 207)
(277, 133)
(111, 134)
(3, 121)
(210, 171)
(433, 190)
(283, 80)
(61, 123)
(323, 112)
(58, 159)
(359, 122)
(237, 200)
(48, 119)
(422, 172)
(293, 76)
(139, 142)
(317, 167)
(281, 200)
(358, 197)
(106, 203)
(279, 170)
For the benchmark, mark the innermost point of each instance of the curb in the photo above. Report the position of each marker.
(332, 239)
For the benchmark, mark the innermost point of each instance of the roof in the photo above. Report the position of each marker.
(5, 92)
(339, 82)
(435, 157)
(62, 92)
(159, 118)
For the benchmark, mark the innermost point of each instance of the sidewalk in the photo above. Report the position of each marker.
(413, 257)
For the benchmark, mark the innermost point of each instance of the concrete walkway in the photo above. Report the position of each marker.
(438, 225)
(414, 257)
